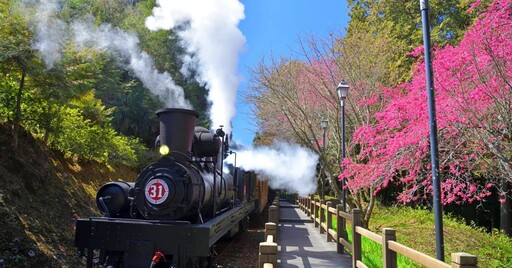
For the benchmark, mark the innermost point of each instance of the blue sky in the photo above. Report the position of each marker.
(273, 27)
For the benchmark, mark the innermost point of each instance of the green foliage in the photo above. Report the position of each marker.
(399, 21)
(81, 137)
(8, 86)
(372, 254)
(135, 105)
(15, 44)
(167, 53)
(87, 105)
(76, 8)
(57, 105)
(92, 108)
(135, 115)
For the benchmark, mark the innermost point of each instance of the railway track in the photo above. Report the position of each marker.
(241, 251)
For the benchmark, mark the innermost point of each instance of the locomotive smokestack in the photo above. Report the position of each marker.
(177, 129)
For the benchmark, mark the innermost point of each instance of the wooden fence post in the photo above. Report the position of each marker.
(268, 252)
(271, 229)
(356, 237)
(272, 214)
(463, 260)
(322, 216)
(304, 204)
(389, 256)
(311, 206)
(315, 212)
(276, 203)
(340, 229)
(329, 221)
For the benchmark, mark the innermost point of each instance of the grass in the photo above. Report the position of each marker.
(371, 252)
(415, 229)
(492, 249)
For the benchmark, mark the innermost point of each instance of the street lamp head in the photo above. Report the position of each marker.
(342, 89)
(324, 123)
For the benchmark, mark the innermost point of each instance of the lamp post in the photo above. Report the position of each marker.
(323, 125)
(342, 90)
(436, 183)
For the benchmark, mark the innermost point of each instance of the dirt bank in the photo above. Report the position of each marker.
(41, 195)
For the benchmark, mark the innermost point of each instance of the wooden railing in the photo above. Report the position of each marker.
(317, 209)
(268, 250)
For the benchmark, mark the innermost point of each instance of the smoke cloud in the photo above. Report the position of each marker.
(49, 31)
(209, 32)
(111, 39)
(52, 33)
(287, 166)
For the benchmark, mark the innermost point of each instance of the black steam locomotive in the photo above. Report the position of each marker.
(178, 207)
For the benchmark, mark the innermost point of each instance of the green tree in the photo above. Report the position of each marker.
(86, 84)
(167, 52)
(16, 60)
(400, 22)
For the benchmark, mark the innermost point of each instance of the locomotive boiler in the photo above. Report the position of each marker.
(178, 207)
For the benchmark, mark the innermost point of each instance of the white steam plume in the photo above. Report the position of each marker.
(287, 166)
(107, 38)
(52, 33)
(213, 41)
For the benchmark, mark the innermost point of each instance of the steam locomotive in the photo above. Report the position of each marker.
(178, 207)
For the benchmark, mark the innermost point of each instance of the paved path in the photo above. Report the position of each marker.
(301, 244)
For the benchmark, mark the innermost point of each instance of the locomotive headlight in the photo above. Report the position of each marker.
(164, 150)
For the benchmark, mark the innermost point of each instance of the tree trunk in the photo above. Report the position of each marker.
(505, 209)
(332, 182)
(17, 113)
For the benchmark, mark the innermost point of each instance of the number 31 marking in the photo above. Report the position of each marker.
(156, 191)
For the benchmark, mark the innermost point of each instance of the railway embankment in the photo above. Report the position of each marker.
(42, 193)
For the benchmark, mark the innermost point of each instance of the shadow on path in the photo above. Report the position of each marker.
(302, 245)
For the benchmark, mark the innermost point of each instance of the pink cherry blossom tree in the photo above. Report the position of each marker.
(474, 115)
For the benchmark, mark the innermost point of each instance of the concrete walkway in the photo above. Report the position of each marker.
(301, 244)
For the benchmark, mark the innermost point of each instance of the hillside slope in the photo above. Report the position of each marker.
(41, 195)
